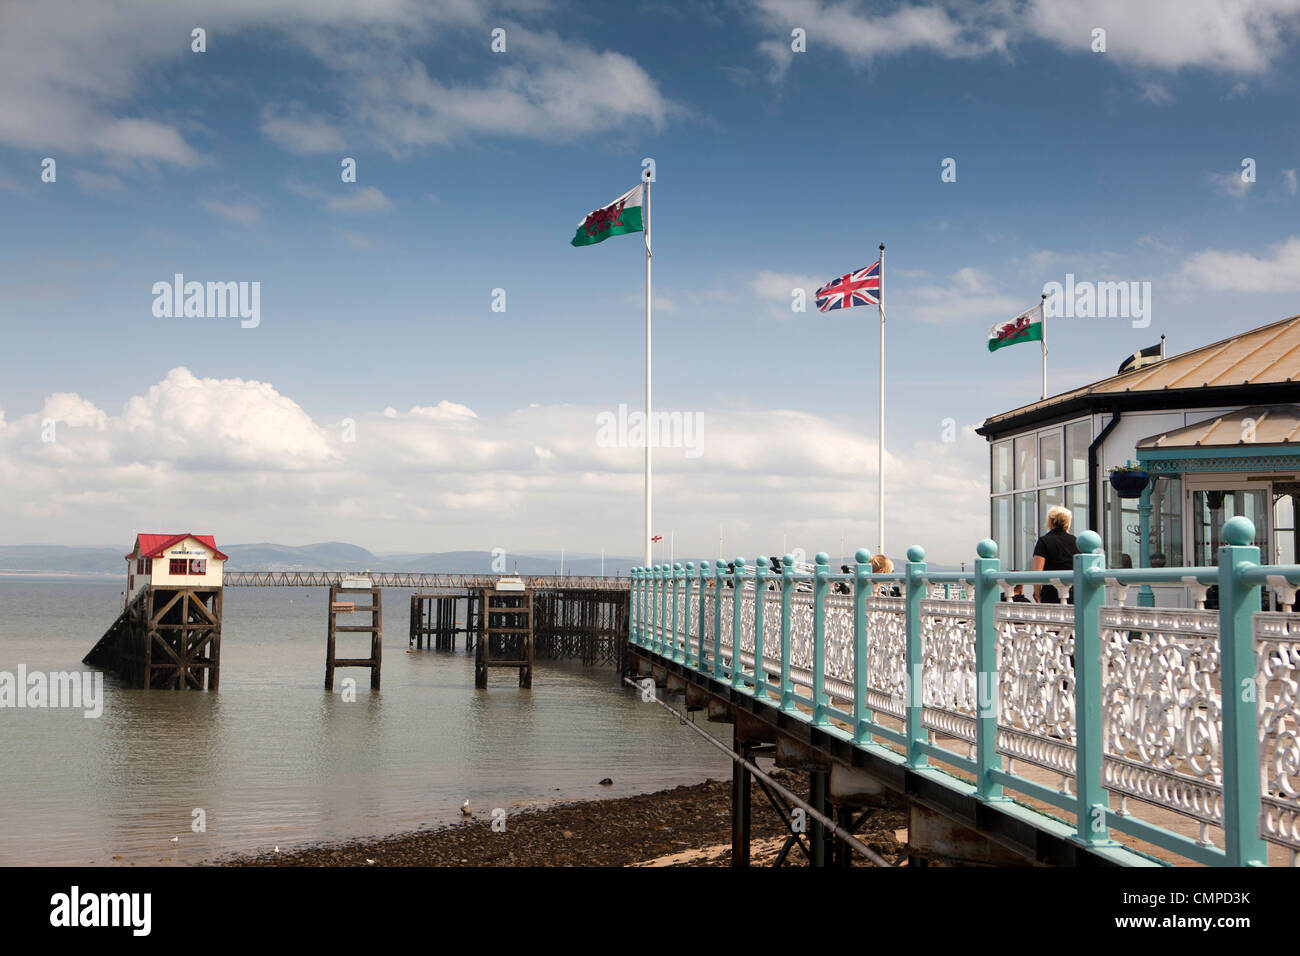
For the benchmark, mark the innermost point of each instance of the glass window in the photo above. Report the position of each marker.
(1284, 529)
(1049, 498)
(176, 566)
(1049, 457)
(1026, 462)
(1002, 466)
(1026, 527)
(1166, 523)
(1076, 499)
(198, 565)
(1078, 436)
(1002, 528)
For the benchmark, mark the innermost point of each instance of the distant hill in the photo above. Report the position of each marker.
(327, 556)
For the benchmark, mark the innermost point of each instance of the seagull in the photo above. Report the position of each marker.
(368, 860)
(175, 840)
(464, 808)
(277, 849)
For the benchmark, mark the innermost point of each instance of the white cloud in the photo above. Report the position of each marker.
(1169, 35)
(1235, 271)
(1289, 180)
(358, 199)
(246, 214)
(969, 294)
(1156, 93)
(241, 459)
(294, 128)
(1230, 183)
(776, 290)
(93, 182)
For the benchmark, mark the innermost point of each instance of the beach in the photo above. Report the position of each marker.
(687, 825)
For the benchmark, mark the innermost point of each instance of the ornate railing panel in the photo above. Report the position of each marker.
(1161, 709)
(1277, 676)
(948, 678)
(1035, 684)
(887, 655)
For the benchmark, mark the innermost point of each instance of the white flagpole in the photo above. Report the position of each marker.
(1042, 321)
(880, 464)
(645, 206)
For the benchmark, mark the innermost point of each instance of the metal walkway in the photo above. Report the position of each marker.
(974, 715)
(412, 579)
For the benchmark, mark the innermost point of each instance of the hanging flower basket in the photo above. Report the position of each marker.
(1129, 482)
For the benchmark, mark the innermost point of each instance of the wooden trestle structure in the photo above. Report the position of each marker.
(433, 619)
(166, 638)
(375, 628)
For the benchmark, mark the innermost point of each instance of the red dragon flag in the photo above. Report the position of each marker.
(620, 217)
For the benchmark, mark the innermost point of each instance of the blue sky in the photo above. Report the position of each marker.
(775, 170)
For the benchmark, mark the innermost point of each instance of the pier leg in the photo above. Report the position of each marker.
(329, 642)
(740, 805)
(816, 829)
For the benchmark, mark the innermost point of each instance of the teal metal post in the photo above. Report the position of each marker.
(1237, 606)
(737, 592)
(1146, 597)
(787, 590)
(634, 619)
(1089, 595)
(913, 709)
(659, 609)
(699, 661)
(761, 568)
(676, 649)
(987, 592)
(686, 612)
(717, 618)
(820, 587)
(861, 591)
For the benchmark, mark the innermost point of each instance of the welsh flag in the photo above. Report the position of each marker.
(1026, 327)
(621, 216)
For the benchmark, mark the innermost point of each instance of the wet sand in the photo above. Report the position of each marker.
(685, 826)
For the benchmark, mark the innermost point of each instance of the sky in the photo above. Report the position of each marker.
(431, 358)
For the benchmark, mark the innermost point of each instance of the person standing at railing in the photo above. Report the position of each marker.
(882, 565)
(1055, 551)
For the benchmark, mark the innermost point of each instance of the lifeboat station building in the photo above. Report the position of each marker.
(1197, 438)
(174, 561)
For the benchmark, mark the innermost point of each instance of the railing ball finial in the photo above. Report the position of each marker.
(916, 554)
(1239, 531)
(721, 565)
(988, 548)
(740, 562)
(677, 566)
(1089, 542)
(822, 558)
(761, 562)
(787, 560)
(690, 566)
(862, 556)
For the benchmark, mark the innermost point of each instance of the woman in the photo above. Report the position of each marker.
(1055, 551)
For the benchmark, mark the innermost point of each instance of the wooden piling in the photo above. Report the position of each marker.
(375, 629)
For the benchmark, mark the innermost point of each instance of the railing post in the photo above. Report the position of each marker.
(914, 708)
(699, 661)
(737, 590)
(659, 607)
(861, 591)
(1237, 606)
(787, 590)
(676, 576)
(1093, 802)
(761, 569)
(717, 618)
(686, 613)
(634, 600)
(987, 567)
(820, 587)
(1146, 597)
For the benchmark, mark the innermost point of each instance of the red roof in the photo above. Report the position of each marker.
(153, 545)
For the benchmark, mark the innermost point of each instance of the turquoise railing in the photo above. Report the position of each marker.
(1117, 701)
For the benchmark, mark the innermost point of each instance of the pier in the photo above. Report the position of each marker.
(1101, 733)
(170, 637)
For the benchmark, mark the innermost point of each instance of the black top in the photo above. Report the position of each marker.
(1057, 549)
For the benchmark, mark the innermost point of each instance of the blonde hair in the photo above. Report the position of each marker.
(1059, 518)
(881, 565)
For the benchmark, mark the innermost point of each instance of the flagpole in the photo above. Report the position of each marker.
(880, 450)
(1042, 321)
(645, 185)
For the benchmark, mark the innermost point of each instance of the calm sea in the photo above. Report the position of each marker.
(273, 759)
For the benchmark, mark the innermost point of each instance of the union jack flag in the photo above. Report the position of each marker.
(856, 288)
